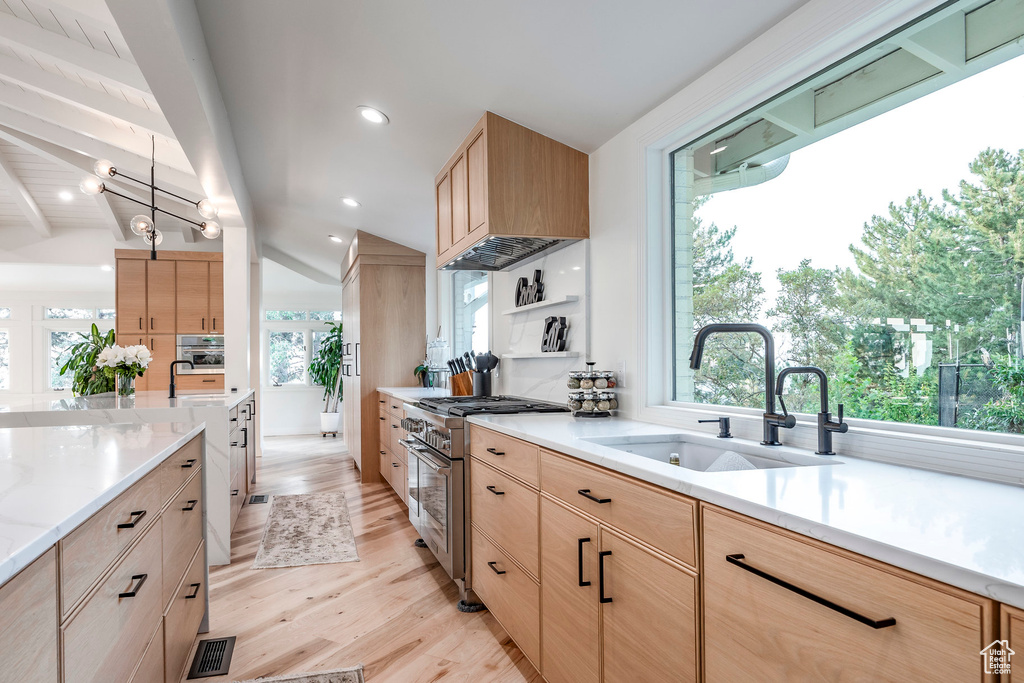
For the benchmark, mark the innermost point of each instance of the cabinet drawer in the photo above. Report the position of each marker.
(395, 433)
(107, 638)
(183, 531)
(1012, 629)
(88, 550)
(511, 596)
(506, 511)
(151, 669)
(756, 630)
(395, 407)
(512, 456)
(385, 431)
(183, 617)
(385, 464)
(661, 518)
(205, 382)
(175, 470)
(383, 400)
(237, 493)
(28, 623)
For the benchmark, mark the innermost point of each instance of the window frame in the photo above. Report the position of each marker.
(51, 325)
(307, 326)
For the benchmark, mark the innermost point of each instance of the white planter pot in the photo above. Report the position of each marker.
(329, 422)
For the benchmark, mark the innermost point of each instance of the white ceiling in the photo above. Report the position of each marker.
(292, 73)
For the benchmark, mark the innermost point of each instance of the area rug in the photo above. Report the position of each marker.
(353, 675)
(309, 528)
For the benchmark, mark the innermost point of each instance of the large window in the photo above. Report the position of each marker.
(469, 311)
(287, 358)
(873, 219)
(292, 339)
(59, 343)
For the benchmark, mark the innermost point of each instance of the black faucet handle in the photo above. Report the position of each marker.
(840, 407)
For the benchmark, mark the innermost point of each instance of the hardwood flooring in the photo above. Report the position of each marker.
(393, 611)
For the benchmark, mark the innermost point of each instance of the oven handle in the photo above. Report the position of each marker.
(427, 459)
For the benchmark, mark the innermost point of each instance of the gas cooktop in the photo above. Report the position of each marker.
(461, 406)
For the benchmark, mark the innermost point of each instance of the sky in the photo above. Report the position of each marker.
(819, 205)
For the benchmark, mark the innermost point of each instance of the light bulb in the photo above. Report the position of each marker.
(207, 209)
(103, 168)
(373, 115)
(91, 185)
(154, 238)
(66, 196)
(335, 238)
(141, 225)
(348, 201)
(210, 229)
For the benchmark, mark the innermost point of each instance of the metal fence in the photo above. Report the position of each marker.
(963, 389)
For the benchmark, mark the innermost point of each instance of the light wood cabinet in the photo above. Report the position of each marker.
(132, 318)
(759, 630)
(506, 511)
(518, 458)
(151, 668)
(506, 180)
(158, 375)
(161, 297)
(28, 624)
(1012, 631)
(183, 616)
(384, 317)
(212, 383)
(193, 297)
(217, 297)
(394, 464)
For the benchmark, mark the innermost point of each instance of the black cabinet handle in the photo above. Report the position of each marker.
(204, 323)
(140, 323)
(394, 426)
(497, 493)
(583, 583)
(190, 507)
(234, 492)
(379, 401)
(141, 578)
(383, 419)
(737, 560)
(586, 494)
(234, 419)
(493, 451)
(188, 464)
(494, 569)
(245, 432)
(214, 323)
(151, 325)
(195, 591)
(394, 464)
(135, 517)
(252, 410)
(600, 574)
(383, 453)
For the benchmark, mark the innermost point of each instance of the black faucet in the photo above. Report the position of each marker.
(772, 420)
(723, 427)
(825, 424)
(173, 363)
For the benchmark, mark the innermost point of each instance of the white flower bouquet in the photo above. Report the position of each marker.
(125, 363)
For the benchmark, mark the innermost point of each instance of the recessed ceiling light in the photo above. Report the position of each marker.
(66, 196)
(373, 115)
(106, 268)
(335, 238)
(348, 201)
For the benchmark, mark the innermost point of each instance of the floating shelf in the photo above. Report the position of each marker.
(543, 304)
(542, 354)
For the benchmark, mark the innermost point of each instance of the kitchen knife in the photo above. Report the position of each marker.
(458, 364)
(468, 360)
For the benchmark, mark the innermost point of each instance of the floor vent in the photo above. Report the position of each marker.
(213, 657)
(261, 498)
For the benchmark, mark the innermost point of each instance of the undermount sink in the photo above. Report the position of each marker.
(700, 457)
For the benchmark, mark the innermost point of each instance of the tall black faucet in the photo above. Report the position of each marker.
(182, 362)
(772, 420)
(825, 424)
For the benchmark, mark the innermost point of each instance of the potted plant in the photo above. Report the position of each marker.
(325, 370)
(124, 364)
(87, 378)
(422, 373)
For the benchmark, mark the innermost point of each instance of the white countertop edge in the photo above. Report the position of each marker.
(960, 577)
(29, 553)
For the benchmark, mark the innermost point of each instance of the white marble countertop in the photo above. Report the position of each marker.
(964, 532)
(413, 394)
(141, 400)
(54, 478)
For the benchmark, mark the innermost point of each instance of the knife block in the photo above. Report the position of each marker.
(462, 384)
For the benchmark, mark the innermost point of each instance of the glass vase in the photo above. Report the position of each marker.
(125, 384)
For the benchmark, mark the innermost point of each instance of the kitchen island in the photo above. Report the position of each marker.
(149, 407)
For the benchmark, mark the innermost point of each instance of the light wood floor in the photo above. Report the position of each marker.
(393, 611)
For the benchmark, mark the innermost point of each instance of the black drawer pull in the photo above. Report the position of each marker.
(382, 419)
(883, 623)
(394, 464)
(190, 507)
(600, 574)
(383, 452)
(141, 578)
(494, 451)
(234, 492)
(188, 464)
(135, 517)
(497, 493)
(195, 591)
(583, 583)
(586, 494)
(494, 569)
(381, 401)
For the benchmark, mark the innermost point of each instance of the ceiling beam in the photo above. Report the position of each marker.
(33, 214)
(70, 92)
(120, 231)
(300, 267)
(70, 54)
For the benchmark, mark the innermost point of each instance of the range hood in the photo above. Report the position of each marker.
(499, 253)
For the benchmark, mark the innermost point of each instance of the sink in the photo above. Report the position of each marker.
(694, 455)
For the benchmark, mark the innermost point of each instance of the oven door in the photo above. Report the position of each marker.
(435, 509)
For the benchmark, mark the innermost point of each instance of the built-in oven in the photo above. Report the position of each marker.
(436, 504)
(206, 352)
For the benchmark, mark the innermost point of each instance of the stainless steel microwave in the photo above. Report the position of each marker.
(205, 351)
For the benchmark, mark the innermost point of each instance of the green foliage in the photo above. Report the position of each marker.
(1005, 414)
(325, 369)
(87, 379)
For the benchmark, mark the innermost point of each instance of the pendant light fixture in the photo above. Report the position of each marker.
(142, 225)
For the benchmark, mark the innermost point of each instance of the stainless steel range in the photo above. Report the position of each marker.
(438, 444)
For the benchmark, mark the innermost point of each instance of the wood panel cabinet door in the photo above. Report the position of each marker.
(460, 200)
(193, 294)
(1012, 630)
(444, 214)
(476, 161)
(649, 617)
(28, 624)
(569, 600)
(131, 297)
(158, 374)
(217, 297)
(161, 296)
